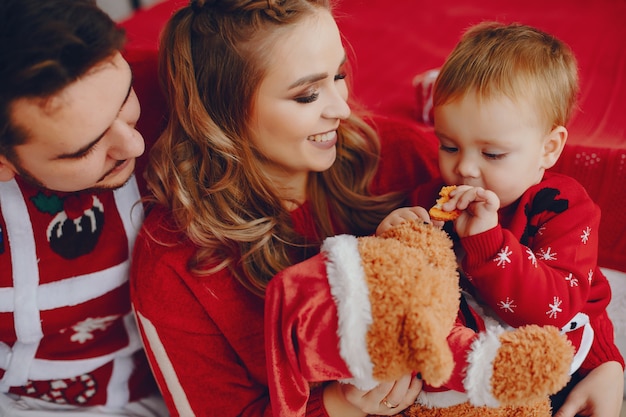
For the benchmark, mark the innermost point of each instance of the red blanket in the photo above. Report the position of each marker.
(392, 41)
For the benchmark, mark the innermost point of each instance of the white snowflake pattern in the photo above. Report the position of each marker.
(547, 254)
(541, 229)
(508, 305)
(590, 275)
(585, 236)
(84, 329)
(502, 258)
(555, 308)
(531, 257)
(573, 281)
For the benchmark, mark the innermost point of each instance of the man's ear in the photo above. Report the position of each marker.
(7, 170)
(553, 145)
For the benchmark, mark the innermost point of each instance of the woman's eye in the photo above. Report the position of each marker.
(340, 76)
(307, 99)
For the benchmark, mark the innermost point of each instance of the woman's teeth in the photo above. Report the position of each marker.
(323, 137)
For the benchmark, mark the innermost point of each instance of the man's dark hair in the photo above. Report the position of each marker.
(45, 45)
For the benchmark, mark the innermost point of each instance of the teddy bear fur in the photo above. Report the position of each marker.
(407, 278)
(419, 276)
(540, 408)
(372, 309)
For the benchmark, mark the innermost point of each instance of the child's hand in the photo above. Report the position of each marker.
(403, 215)
(599, 394)
(479, 209)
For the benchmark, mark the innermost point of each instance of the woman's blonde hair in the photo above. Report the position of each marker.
(204, 167)
(517, 61)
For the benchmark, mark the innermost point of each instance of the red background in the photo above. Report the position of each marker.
(392, 41)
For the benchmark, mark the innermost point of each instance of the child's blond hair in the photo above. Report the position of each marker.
(516, 61)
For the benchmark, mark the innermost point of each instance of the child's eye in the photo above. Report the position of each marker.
(493, 156)
(340, 76)
(449, 149)
(308, 98)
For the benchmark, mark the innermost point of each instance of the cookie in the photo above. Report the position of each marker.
(437, 213)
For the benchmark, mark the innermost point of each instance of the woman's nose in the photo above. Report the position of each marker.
(337, 106)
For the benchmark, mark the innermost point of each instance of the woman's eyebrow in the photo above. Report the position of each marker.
(309, 79)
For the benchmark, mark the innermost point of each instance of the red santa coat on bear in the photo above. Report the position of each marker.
(372, 309)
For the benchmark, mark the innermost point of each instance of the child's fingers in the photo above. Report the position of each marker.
(465, 195)
(419, 213)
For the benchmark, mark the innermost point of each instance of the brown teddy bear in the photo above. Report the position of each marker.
(372, 309)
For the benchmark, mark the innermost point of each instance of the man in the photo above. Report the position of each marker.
(68, 215)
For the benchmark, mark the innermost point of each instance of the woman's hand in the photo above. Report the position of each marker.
(599, 394)
(386, 399)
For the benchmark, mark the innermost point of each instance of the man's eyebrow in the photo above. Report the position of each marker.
(313, 77)
(84, 149)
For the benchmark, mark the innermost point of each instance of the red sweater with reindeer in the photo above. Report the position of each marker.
(67, 334)
(540, 266)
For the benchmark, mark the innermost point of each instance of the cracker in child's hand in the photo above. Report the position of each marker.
(437, 213)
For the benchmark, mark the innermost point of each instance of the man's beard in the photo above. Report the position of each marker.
(29, 178)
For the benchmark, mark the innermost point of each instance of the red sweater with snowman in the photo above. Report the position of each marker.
(67, 334)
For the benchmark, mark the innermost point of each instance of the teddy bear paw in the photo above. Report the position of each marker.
(518, 366)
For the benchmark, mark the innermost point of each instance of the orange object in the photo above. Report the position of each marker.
(437, 213)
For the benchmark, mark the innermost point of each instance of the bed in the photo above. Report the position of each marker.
(390, 42)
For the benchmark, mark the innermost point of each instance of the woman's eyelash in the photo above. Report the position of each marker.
(307, 99)
(314, 96)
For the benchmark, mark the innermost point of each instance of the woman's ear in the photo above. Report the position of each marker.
(553, 145)
(7, 170)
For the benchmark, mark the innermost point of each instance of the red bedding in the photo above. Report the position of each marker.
(392, 41)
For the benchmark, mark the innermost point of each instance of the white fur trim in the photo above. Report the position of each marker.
(480, 368)
(351, 295)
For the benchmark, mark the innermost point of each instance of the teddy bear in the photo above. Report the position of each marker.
(374, 308)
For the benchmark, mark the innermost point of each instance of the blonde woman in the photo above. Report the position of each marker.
(260, 161)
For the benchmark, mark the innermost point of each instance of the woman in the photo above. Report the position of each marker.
(261, 160)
